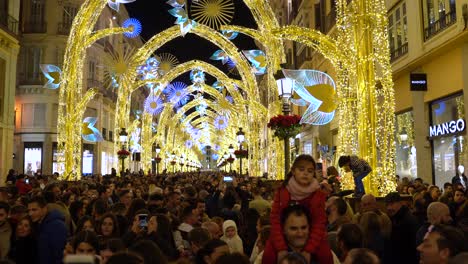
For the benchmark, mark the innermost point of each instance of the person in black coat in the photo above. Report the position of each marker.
(402, 248)
(23, 248)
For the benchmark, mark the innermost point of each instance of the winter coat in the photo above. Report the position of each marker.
(24, 250)
(403, 238)
(52, 237)
(317, 244)
(234, 243)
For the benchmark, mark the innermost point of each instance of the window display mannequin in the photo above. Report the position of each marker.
(460, 177)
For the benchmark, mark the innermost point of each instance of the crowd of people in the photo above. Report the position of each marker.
(206, 218)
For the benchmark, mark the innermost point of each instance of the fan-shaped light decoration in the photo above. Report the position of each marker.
(153, 105)
(213, 13)
(177, 94)
(189, 144)
(318, 90)
(218, 86)
(221, 122)
(135, 25)
(53, 74)
(89, 132)
(114, 4)
(229, 34)
(167, 62)
(220, 55)
(258, 60)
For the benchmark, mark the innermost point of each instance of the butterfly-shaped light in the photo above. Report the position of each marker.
(53, 75)
(221, 122)
(114, 4)
(201, 108)
(218, 85)
(133, 24)
(258, 60)
(89, 132)
(177, 93)
(220, 55)
(176, 3)
(316, 89)
(153, 105)
(230, 34)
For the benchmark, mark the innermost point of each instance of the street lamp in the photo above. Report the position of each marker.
(403, 135)
(231, 149)
(157, 149)
(240, 138)
(123, 135)
(285, 87)
(181, 163)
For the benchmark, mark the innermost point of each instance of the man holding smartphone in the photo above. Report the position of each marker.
(22, 184)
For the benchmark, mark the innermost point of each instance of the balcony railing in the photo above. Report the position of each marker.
(10, 23)
(35, 27)
(398, 52)
(438, 26)
(63, 28)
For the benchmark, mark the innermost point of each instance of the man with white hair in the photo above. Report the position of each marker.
(437, 213)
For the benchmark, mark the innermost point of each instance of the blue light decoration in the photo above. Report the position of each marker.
(258, 60)
(201, 108)
(196, 134)
(137, 114)
(230, 99)
(133, 24)
(89, 131)
(318, 90)
(221, 122)
(178, 11)
(230, 34)
(220, 55)
(215, 156)
(154, 127)
(153, 105)
(197, 76)
(114, 4)
(177, 94)
(53, 75)
(231, 64)
(217, 147)
(189, 144)
(149, 71)
(134, 141)
(218, 86)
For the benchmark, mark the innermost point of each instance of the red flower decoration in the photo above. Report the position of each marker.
(285, 125)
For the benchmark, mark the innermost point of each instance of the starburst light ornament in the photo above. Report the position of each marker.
(89, 132)
(213, 13)
(258, 60)
(167, 62)
(316, 89)
(178, 94)
(153, 105)
(53, 75)
(114, 4)
(189, 144)
(221, 122)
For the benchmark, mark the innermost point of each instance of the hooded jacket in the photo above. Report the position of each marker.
(235, 242)
(52, 237)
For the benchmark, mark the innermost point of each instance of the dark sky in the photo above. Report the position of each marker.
(155, 18)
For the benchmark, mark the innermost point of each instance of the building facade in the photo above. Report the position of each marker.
(9, 49)
(45, 28)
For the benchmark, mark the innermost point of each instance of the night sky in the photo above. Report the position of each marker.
(155, 18)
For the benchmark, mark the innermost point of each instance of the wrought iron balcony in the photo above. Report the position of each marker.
(10, 23)
(398, 52)
(438, 26)
(35, 27)
(63, 28)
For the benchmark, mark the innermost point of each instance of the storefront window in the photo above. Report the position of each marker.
(448, 148)
(32, 158)
(88, 159)
(55, 158)
(406, 165)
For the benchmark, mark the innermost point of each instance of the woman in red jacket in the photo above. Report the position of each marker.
(300, 186)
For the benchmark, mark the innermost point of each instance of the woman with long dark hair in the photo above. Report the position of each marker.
(24, 245)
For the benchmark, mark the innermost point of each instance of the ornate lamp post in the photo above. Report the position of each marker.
(123, 153)
(240, 139)
(231, 158)
(285, 87)
(157, 149)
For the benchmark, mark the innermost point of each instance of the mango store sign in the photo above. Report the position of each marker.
(447, 128)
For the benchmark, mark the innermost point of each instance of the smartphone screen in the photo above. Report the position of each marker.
(143, 220)
(227, 178)
(27, 180)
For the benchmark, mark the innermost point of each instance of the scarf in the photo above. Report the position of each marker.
(299, 192)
